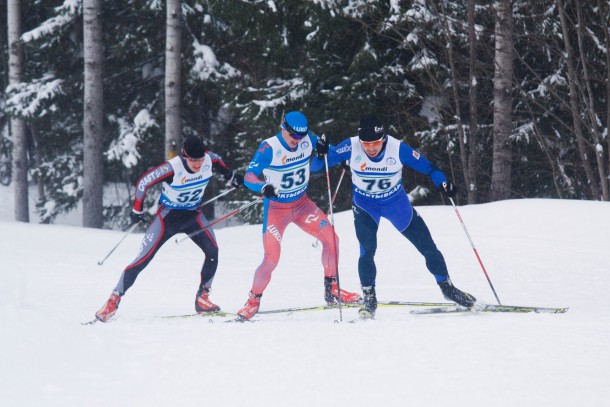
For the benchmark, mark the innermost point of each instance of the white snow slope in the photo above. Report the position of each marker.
(537, 253)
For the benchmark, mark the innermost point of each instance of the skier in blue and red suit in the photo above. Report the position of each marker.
(184, 179)
(283, 160)
(376, 160)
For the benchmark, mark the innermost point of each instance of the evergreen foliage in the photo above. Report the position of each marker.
(246, 63)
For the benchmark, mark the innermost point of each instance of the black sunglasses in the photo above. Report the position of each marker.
(292, 132)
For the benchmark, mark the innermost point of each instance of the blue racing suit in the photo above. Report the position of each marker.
(378, 192)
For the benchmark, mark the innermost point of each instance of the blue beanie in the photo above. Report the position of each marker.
(296, 122)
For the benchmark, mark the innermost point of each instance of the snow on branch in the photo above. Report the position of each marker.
(28, 99)
(124, 148)
(207, 67)
(65, 14)
(278, 91)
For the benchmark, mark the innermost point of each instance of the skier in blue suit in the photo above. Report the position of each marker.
(376, 160)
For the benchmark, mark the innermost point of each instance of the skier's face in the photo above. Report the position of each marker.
(372, 148)
(289, 139)
(194, 164)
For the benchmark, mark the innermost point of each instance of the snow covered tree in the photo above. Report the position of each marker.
(425, 67)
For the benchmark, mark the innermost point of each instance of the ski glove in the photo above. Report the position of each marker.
(321, 147)
(269, 191)
(237, 180)
(449, 189)
(138, 217)
(345, 165)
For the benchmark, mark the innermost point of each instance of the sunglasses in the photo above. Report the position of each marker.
(373, 144)
(293, 133)
(197, 160)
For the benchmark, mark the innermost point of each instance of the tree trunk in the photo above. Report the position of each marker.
(574, 106)
(20, 157)
(473, 159)
(589, 102)
(456, 99)
(603, 4)
(93, 126)
(503, 100)
(38, 161)
(173, 46)
(606, 11)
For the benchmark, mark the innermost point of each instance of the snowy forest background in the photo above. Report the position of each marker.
(91, 98)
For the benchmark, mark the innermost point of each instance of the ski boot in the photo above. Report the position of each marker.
(370, 303)
(451, 293)
(331, 293)
(251, 307)
(109, 309)
(203, 305)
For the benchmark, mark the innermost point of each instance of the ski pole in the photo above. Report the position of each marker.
(217, 196)
(332, 225)
(315, 244)
(474, 248)
(228, 215)
(99, 263)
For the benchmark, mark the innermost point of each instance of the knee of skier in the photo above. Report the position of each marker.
(367, 251)
(326, 237)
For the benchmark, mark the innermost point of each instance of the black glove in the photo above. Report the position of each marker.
(449, 189)
(269, 191)
(321, 147)
(138, 217)
(237, 180)
(345, 165)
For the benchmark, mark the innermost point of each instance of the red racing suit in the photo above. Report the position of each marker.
(287, 170)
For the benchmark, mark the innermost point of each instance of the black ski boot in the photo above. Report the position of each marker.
(451, 293)
(328, 296)
(370, 302)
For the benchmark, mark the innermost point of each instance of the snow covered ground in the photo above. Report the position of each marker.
(537, 252)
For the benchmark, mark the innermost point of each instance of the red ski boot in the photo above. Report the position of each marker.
(251, 306)
(331, 293)
(109, 309)
(203, 305)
